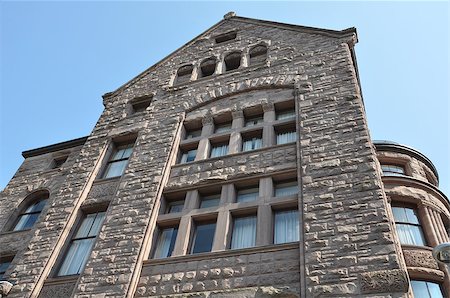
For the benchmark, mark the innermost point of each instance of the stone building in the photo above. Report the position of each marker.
(238, 166)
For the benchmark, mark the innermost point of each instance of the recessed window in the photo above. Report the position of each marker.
(286, 114)
(188, 155)
(118, 161)
(393, 170)
(28, 218)
(408, 226)
(203, 237)
(426, 289)
(285, 135)
(226, 37)
(81, 244)
(209, 200)
(208, 67)
(252, 121)
(286, 227)
(232, 61)
(222, 127)
(58, 162)
(219, 149)
(284, 189)
(190, 134)
(4, 265)
(140, 104)
(165, 243)
(252, 142)
(184, 74)
(258, 54)
(244, 232)
(175, 206)
(247, 194)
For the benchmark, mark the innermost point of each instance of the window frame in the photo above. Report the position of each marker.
(173, 240)
(114, 149)
(193, 239)
(232, 227)
(393, 173)
(419, 225)
(5, 260)
(286, 209)
(426, 283)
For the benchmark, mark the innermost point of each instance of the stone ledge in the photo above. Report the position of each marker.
(384, 281)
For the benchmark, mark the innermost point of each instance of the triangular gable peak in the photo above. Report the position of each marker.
(248, 33)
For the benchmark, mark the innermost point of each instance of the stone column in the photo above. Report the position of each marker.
(235, 137)
(222, 227)
(182, 241)
(268, 130)
(427, 225)
(203, 145)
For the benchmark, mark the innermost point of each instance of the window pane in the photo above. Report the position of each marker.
(222, 127)
(253, 121)
(115, 169)
(26, 221)
(210, 201)
(435, 290)
(251, 144)
(188, 156)
(247, 195)
(37, 207)
(86, 225)
(286, 137)
(286, 189)
(425, 289)
(166, 243)
(96, 225)
(220, 150)
(76, 256)
(392, 170)
(410, 234)
(286, 226)
(204, 236)
(399, 214)
(175, 207)
(244, 232)
(193, 134)
(285, 114)
(3, 267)
(411, 216)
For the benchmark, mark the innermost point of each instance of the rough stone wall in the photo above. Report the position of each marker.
(348, 239)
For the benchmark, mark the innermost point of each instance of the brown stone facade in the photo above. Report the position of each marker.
(249, 106)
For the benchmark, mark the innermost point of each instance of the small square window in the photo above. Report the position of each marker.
(392, 170)
(286, 188)
(252, 121)
(285, 135)
(193, 134)
(5, 262)
(188, 156)
(244, 232)
(209, 201)
(58, 162)
(174, 207)
(247, 194)
(223, 127)
(140, 104)
(219, 149)
(286, 227)
(251, 142)
(203, 237)
(286, 114)
(165, 243)
(118, 161)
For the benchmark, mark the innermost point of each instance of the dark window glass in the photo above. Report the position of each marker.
(208, 67)
(253, 121)
(27, 218)
(408, 226)
(210, 201)
(218, 128)
(193, 134)
(81, 244)
(286, 114)
(426, 289)
(247, 195)
(226, 37)
(232, 61)
(188, 156)
(3, 267)
(184, 74)
(166, 243)
(203, 238)
(258, 54)
(174, 207)
(58, 162)
(118, 161)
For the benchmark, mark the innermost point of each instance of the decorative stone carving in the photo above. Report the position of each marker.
(267, 106)
(57, 290)
(207, 120)
(237, 113)
(384, 281)
(419, 258)
(103, 189)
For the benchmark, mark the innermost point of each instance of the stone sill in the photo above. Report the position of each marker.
(61, 280)
(222, 254)
(416, 247)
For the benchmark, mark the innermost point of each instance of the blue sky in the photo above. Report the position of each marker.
(58, 58)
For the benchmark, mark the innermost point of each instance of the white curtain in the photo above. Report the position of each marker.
(247, 195)
(285, 114)
(286, 226)
(286, 137)
(188, 156)
(219, 150)
(286, 189)
(252, 144)
(244, 232)
(76, 256)
(410, 234)
(164, 243)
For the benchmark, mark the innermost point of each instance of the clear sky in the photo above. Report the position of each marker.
(58, 58)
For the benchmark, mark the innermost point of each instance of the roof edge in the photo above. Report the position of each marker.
(54, 147)
(382, 145)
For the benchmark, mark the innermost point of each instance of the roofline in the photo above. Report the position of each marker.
(326, 32)
(382, 145)
(54, 147)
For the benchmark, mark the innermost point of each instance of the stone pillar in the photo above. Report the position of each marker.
(222, 227)
(427, 225)
(235, 137)
(268, 130)
(264, 230)
(182, 242)
(203, 145)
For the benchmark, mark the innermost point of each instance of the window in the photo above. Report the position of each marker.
(208, 67)
(408, 226)
(232, 61)
(258, 54)
(286, 226)
(28, 218)
(141, 104)
(81, 244)
(286, 114)
(58, 162)
(226, 37)
(184, 74)
(174, 207)
(426, 289)
(203, 237)
(166, 243)
(118, 161)
(393, 170)
(4, 264)
(247, 195)
(190, 134)
(223, 127)
(285, 136)
(188, 156)
(284, 189)
(210, 201)
(244, 232)
(251, 143)
(220, 149)
(252, 121)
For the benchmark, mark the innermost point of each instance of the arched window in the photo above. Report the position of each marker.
(207, 67)
(258, 54)
(184, 74)
(29, 215)
(232, 61)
